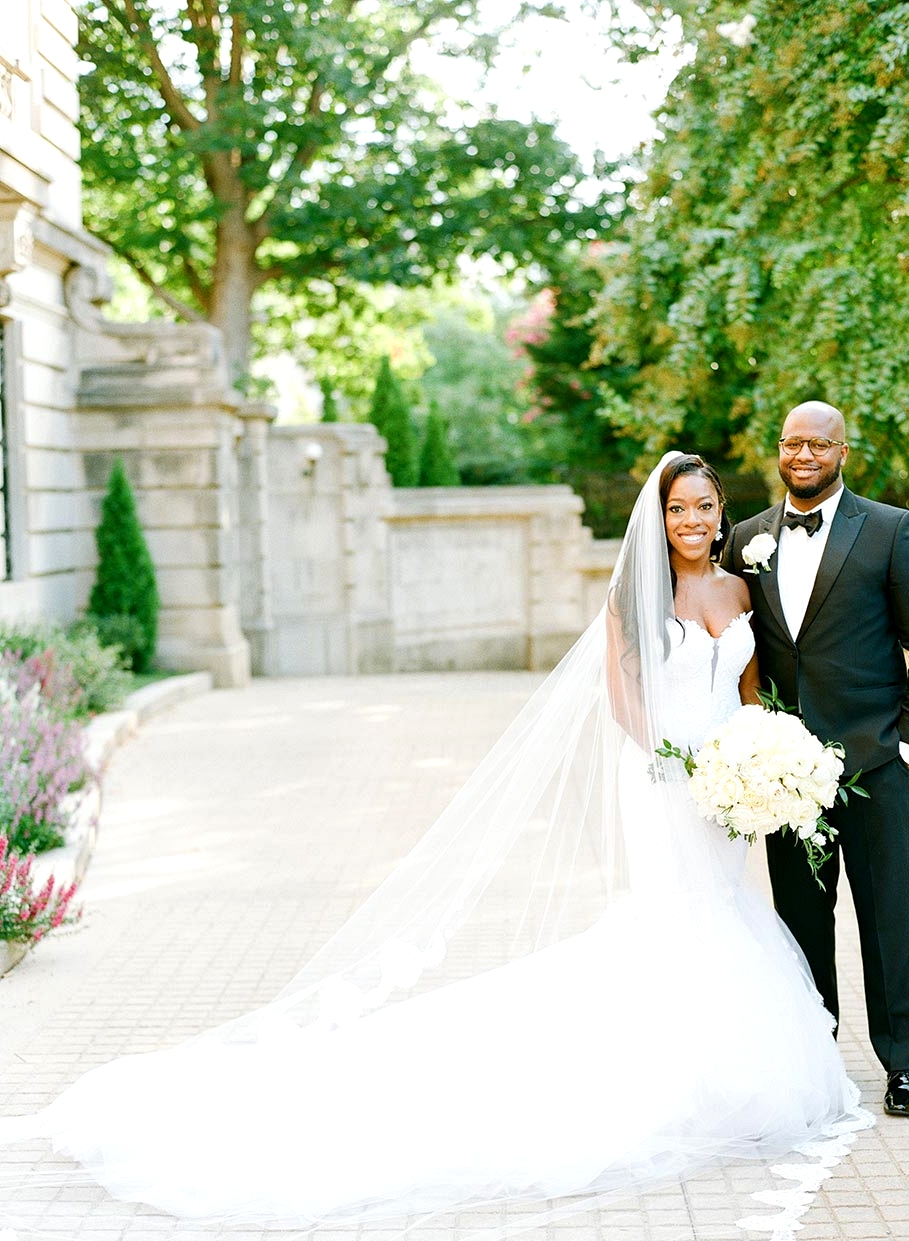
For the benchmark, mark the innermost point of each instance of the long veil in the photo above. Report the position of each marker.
(536, 829)
(531, 852)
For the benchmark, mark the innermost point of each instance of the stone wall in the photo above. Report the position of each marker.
(484, 577)
(174, 422)
(366, 578)
(328, 496)
(598, 559)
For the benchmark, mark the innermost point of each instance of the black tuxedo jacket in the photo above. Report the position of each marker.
(845, 670)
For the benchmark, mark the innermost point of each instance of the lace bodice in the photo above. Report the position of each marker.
(702, 678)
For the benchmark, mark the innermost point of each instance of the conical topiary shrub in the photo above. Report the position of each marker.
(437, 467)
(390, 414)
(329, 402)
(125, 580)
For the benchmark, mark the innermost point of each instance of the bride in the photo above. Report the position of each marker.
(638, 1014)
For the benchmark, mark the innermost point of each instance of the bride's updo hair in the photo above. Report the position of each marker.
(691, 463)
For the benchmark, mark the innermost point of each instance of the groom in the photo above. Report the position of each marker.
(830, 592)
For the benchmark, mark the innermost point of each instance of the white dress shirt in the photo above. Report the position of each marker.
(798, 560)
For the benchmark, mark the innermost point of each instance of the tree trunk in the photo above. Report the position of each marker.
(235, 280)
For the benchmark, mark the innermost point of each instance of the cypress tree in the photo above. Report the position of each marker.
(389, 412)
(125, 583)
(437, 467)
(329, 404)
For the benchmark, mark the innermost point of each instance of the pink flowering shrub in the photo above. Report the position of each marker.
(55, 679)
(41, 761)
(533, 327)
(77, 675)
(26, 916)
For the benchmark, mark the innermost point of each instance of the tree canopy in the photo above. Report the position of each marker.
(475, 380)
(766, 260)
(233, 144)
(572, 399)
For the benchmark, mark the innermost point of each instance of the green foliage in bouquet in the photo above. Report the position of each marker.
(125, 583)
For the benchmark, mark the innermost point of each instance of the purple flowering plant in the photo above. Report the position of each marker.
(50, 680)
(41, 762)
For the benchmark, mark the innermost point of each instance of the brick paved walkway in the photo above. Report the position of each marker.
(239, 830)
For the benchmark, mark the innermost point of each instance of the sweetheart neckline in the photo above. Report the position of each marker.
(688, 620)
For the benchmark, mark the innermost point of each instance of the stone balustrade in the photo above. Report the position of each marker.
(365, 577)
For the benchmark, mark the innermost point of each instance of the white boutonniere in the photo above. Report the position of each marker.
(757, 553)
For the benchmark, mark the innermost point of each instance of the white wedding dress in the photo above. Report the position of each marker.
(680, 1028)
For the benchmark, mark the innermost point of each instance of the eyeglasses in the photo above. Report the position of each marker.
(818, 444)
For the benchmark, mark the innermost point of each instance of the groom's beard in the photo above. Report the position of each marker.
(809, 489)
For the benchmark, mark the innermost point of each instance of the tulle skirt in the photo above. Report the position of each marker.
(681, 1028)
(642, 1048)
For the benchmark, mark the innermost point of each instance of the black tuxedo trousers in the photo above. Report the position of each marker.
(845, 671)
(874, 844)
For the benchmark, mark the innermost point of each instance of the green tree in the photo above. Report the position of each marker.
(571, 398)
(390, 413)
(766, 259)
(475, 380)
(329, 402)
(437, 467)
(124, 597)
(229, 145)
(342, 337)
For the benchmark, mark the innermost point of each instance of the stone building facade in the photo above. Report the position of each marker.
(278, 550)
(40, 239)
(78, 390)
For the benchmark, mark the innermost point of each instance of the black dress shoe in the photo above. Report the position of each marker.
(896, 1100)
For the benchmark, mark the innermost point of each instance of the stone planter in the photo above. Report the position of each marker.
(10, 955)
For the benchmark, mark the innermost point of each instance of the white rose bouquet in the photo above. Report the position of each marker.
(762, 771)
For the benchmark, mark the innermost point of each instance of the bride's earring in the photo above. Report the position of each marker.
(718, 538)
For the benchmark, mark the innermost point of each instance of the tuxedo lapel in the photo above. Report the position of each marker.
(769, 581)
(843, 532)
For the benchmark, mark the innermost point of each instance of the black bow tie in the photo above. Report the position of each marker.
(811, 521)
